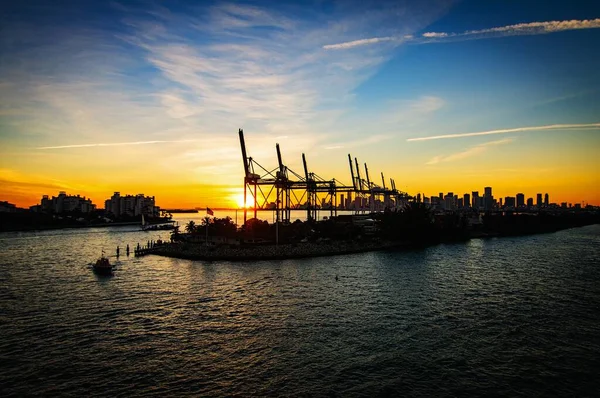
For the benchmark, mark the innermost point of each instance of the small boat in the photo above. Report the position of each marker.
(103, 266)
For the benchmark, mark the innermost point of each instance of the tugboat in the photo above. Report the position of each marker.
(103, 266)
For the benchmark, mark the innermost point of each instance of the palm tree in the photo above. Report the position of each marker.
(190, 227)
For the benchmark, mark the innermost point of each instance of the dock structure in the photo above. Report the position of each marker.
(294, 191)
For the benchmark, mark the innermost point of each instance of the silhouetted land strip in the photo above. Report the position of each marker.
(28, 221)
(412, 228)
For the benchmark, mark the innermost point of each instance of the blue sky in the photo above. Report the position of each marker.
(173, 81)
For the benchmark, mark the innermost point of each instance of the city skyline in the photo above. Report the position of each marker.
(443, 97)
(346, 201)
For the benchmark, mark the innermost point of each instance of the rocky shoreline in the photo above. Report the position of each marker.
(194, 251)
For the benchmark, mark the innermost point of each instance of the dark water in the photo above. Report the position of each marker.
(499, 317)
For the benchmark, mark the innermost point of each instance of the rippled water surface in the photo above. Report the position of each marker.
(510, 316)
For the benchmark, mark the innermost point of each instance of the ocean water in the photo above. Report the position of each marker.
(496, 317)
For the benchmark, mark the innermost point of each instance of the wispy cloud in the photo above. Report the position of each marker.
(513, 130)
(469, 152)
(373, 139)
(531, 28)
(113, 144)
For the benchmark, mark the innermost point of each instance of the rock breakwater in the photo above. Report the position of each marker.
(195, 251)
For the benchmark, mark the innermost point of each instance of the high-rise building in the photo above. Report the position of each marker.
(131, 205)
(520, 200)
(538, 202)
(448, 201)
(509, 202)
(488, 203)
(529, 202)
(546, 200)
(467, 200)
(342, 204)
(475, 202)
(64, 203)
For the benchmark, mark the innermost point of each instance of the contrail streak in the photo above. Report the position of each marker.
(531, 28)
(515, 130)
(112, 144)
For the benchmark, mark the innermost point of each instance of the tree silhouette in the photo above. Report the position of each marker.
(190, 227)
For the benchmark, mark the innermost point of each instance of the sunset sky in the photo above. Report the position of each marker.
(147, 96)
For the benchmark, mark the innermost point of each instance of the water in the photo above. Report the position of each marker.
(509, 317)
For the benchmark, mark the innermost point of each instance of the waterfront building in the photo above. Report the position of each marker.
(539, 202)
(529, 202)
(546, 200)
(64, 203)
(131, 205)
(520, 200)
(467, 200)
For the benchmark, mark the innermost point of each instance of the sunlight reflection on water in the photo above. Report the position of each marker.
(499, 316)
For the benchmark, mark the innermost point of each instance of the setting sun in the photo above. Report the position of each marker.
(238, 200)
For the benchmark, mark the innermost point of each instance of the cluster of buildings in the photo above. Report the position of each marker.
(449, 201)
(64, 203)
(487, 202)
(6, 207)
(347, 203)
(131, 205)
(117, 205)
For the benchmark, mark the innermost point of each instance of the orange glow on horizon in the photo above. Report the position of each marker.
(25, 190)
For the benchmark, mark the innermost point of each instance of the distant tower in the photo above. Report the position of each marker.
(520, 200)
(467, 200)
(546, 201)
(539, 202)
(488, 199)
(475, 203)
